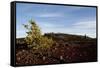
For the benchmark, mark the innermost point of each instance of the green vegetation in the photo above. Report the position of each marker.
(35, 39)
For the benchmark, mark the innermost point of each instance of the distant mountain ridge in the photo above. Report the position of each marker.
(61, 36)
(65, 35)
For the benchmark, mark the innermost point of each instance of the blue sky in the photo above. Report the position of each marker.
(57, 19)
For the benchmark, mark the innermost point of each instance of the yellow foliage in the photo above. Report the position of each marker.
(35, 39)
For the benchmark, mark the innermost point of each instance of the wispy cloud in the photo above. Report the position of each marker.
(50, 15)
(51, 25)
(85, 25)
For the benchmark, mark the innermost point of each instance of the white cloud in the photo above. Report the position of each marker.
(85, 25)
(50, 15)
(51, 25)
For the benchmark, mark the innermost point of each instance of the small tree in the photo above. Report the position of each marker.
(34, 37)
(33, 34)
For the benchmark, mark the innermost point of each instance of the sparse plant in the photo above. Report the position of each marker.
(35, 39)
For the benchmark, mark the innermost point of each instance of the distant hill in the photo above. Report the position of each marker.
(68, 37)
(63, 37)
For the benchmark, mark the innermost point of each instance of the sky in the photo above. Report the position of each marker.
(56, 18)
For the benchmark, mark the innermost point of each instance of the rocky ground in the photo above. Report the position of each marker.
(59, 53)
